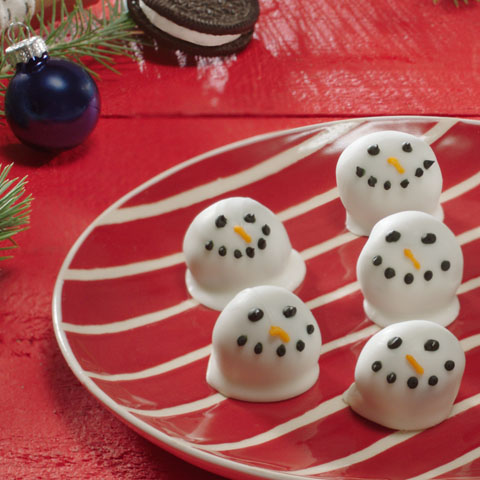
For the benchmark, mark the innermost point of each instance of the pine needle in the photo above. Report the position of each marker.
(15, 209)
(80, 33)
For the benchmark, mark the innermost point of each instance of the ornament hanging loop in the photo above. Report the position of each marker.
(24, 32)
(21, 51)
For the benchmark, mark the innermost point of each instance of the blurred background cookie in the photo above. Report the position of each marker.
(199, 27)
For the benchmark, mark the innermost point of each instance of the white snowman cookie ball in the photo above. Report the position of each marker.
(234, 244)
(384, 173)
(407, 376)
(410, 267)
(266, 345)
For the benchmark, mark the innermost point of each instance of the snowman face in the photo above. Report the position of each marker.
(410, 267)
(384, 173)
(236, 243)
(266, 345)
(408, 375)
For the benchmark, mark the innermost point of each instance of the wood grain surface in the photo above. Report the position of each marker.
(310, 61)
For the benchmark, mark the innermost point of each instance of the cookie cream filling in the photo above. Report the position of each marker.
(182, 33)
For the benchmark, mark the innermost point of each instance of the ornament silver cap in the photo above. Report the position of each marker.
(24, 50)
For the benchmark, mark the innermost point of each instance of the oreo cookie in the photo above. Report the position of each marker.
(198, 27)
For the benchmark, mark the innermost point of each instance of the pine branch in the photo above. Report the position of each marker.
(15, 209)
(80, 33)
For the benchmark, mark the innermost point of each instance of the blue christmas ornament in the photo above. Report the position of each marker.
(50, 103)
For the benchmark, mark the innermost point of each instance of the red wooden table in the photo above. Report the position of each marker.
(309, 62)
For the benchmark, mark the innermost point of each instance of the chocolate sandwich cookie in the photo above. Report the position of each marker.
(199, 27)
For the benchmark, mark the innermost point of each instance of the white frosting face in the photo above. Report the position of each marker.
(384, 173)
(410, 267)
(182, 33)
(234, 244)
(407, 376)
(266, 345)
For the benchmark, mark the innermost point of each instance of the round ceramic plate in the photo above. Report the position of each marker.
(140, 344)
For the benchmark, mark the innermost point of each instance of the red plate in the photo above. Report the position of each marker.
(139, 343)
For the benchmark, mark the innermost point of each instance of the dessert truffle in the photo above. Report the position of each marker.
(266, 345)
(387, 172)
(234, 244)
(410, 267)
(407, 376)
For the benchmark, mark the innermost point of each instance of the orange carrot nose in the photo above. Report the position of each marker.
(416, 366)
(240, 231)
(408, 253)
(279, 332)
(394, 161)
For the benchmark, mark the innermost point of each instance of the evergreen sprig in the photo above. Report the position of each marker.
(15, 209)
(79, 33)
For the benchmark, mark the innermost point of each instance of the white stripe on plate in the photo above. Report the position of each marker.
(158, 369)
(439, 130)
(323, 410)
(381, 445)
(131, 323)
(225, 184)
(454, 464)
(201, 404)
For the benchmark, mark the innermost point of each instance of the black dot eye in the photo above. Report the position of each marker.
(281, 350)
(429, 238)
(221, 221)
(391, 377)
(258, 348)
(241, 340)
(255, 314)
(360, 171)
(445, 265)
(262, 243)
(249, 218)
(393, 236)
(300, 345)
(428, 275)
(412, 382)
(373, 149)
(408, 278)
(289, 311)
(433, 380)
(266, 230)
(389, 272)
(449, 365)
(427, 164)
(394, 343)
(310, 329)
(209, 245)
(407, 147)
(372, 181)
(431, 345)
(376, 366)
(377, 260)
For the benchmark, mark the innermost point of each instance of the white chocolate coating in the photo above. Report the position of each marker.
(407, 393)
(183, 33)
(399, 176)
(243, 253)
(414, 276)
(268, 359)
